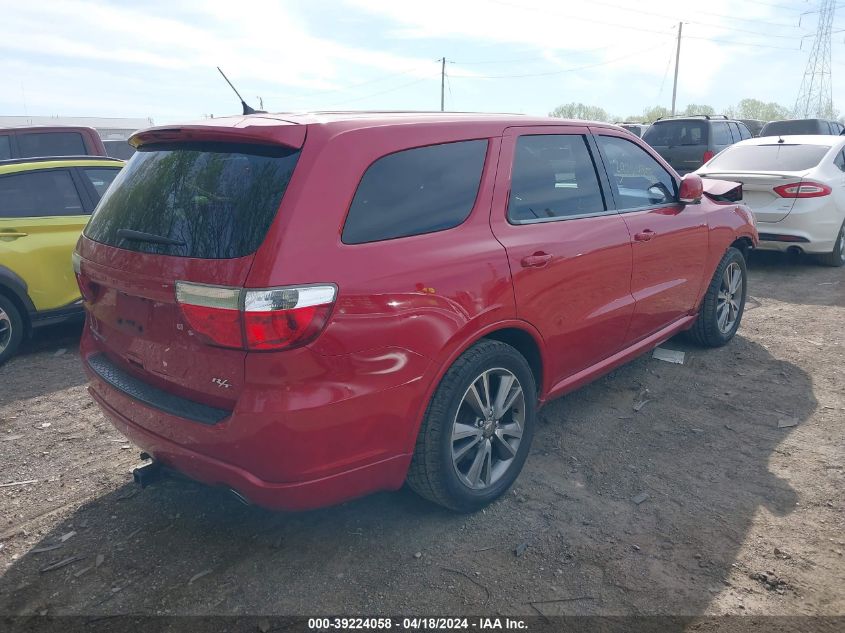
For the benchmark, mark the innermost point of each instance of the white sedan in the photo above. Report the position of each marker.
(795, 185)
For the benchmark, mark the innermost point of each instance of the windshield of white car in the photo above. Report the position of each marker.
(773, 157)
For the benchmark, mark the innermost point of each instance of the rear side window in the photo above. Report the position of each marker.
(208, 200)
(676, 133)
(51, 144)
(100, 177)
(721, 134)
(416, 191)
(5, 147)
(744, 132)
(39, 194)
(774, 157)
(553, 177)
(636, 178)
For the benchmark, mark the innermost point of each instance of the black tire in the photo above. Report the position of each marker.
(706, 330)
(835, 258)
(11, 329)
(432, 474)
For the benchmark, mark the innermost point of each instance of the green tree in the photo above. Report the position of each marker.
(655, 112)
(580, 111)
(697, 108)
(756, 109)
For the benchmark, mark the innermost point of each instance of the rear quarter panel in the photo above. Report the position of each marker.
(412, 302)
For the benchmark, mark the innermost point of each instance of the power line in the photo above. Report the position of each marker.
(377, 94)
(565, 70)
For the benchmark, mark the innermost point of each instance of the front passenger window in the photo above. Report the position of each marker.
(637, 179)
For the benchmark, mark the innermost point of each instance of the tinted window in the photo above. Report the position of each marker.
(674, 133)
(216, 200)
(774, 157)
(637, 179)
(415, 191)
(800, 126)
(744, 132)
(839, 161)
(119, 149)
(100, 177)
(721, 134)
(51, 144)
(553, 177)
(5, 147)
(38, 194)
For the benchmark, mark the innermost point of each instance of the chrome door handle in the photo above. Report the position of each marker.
(537, 260)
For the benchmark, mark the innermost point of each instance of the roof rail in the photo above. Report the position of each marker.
(693, 116)
(44, 159)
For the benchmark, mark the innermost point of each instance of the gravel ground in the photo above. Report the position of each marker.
(696, 504)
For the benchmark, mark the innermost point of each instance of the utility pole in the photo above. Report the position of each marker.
(677, 59)
(442, 83)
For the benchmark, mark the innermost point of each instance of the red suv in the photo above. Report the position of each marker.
(309, 308)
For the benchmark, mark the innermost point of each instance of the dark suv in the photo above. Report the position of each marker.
(688, 142)
(802, 126)
(305, 308)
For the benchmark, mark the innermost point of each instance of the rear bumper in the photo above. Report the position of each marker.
(289, 443)
(811, 226)
(387, 474)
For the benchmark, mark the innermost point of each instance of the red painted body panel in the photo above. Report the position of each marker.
(338, 418)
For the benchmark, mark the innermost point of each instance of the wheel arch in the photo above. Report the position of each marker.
(520, 335)
(15, 290)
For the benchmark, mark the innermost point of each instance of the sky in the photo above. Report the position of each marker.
(157, 58)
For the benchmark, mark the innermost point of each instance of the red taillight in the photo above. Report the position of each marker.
(806, 189)
(266, 319)
(707, 156)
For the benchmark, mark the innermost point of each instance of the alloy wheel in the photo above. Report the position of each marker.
(5, 330)
(488, 428)
(730, 296)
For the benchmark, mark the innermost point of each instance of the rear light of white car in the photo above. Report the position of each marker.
(265, 319)
(806, 189)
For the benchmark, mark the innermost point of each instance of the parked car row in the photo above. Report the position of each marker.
(303, 344)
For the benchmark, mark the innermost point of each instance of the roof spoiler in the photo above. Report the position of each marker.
(257, 130)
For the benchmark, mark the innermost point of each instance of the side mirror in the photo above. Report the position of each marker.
(691, 189)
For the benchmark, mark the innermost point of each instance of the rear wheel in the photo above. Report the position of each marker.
(11, 329)
(477, 429)
(836, 258)
(723, 303)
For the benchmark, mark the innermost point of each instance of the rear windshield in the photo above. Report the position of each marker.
(51, 144)
(779, 128)
(774, 157)
(208, 200)
(672, 133)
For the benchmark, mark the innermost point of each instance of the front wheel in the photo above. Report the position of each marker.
(723, 302)
(477, 430)
(836, 258)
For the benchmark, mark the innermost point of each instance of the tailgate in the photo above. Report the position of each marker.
(136, 322)
(192, 205)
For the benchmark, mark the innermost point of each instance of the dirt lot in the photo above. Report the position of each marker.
(741, 516)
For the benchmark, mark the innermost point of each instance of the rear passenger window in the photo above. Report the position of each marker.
(416, 191)
(51, 144)
(554, 177)
(721, 134)
(636, 178)
(744, 132)
(5, 147)
(100, 178)
(38, 194)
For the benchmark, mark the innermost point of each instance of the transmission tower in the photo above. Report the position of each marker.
(815, 99)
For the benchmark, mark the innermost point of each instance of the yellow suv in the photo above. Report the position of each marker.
(44, 204)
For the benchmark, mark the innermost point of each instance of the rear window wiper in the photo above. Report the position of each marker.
(140, 236)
